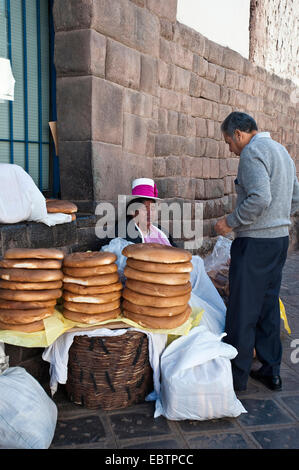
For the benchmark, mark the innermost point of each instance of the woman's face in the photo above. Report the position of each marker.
(146, 213)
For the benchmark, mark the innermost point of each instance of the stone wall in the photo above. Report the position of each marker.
(141, 95)
(274, 29)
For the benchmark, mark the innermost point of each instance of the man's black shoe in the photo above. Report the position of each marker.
(273, 382)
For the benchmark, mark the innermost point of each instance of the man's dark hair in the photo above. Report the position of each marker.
(238, 120)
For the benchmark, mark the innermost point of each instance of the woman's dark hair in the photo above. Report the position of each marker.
(237, 120)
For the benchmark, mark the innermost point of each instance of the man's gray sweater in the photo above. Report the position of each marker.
(267, 190)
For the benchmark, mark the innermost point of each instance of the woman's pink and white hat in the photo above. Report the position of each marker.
(145, 188)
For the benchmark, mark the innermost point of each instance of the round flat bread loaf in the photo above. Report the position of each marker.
(159, 323)
(31, 263)
(149, 267)
(93, 271)
(30, 275)
(15, 305)
(89, 259)
(91, 308)
(77, 289)
(91, 299)
(154, 311)
(151, 301)
(170, 279)
(38, 253)
(57, 205)
(158, 290)
(30, 295)
(102, 280)
(91, 319)
(17, 317)
(30, 285)
(156, 253)
(24, 327)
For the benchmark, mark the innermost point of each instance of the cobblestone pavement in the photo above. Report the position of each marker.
(272, 421)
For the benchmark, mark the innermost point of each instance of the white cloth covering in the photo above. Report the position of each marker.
(57, 354)
(7, 81)
(20, 199)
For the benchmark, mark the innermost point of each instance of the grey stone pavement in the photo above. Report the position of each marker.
(272, 421)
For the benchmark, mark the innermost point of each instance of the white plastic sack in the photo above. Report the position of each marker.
(205, 295)
(116, 246)
(20, 199)
(28, 416)
(196, 378)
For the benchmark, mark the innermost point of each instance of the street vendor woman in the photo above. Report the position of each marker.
(267, 194)
(141, 212)
(140, 216)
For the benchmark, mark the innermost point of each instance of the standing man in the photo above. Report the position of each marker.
(267, 194)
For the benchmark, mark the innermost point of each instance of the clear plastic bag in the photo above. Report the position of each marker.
(217, 266)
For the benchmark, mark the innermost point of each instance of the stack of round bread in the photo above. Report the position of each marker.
(158, 285)
(91, 287)
(30, 284)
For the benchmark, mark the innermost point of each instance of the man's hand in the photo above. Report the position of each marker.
(222, 228)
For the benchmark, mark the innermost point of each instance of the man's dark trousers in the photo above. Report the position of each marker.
(253, 313)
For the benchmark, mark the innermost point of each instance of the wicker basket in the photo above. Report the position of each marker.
(109, 372)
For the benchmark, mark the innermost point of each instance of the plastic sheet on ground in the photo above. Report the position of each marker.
(57, 324)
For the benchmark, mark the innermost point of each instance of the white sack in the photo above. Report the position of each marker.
(196, 378)
(28, 416)
(20, 199)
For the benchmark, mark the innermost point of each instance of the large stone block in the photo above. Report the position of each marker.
(172, 122)
(200, 65)
(138, 103)
(107, 112)
(212, 149)
(149, 75)
(189, 38)
(201, 127)
(214, 188)
(173, 166)
(181, 56)
(210, 91)
(196, 168)
(114, 170)
(163, 9)
(74, 99)
(214, 168)
(80, 52)
(195, 85)
(232, 166)
(129, 24)
(159, 167)
(232, 60)
(73, 14)
(199, 189)
(135, 134)
(123, 65)
(170, 99)
(231, 79)
(206, 167)
(76, 170)
(181, 80)
(166, 29)
(215, 53)
(166, 75)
